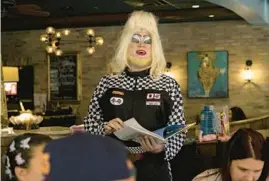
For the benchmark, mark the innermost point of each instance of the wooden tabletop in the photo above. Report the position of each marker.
(54, 132)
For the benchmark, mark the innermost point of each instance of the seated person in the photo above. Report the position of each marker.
(22, 160)
(247, 159)
(85, 157)
(236, 114)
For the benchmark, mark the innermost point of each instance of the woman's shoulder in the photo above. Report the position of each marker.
(208, 175)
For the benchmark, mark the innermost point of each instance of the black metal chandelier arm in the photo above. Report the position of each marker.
(76, 41)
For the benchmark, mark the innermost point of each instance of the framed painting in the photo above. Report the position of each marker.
(207, 74)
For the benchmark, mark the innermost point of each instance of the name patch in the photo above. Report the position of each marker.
(116, 101)
(153, 103)
(118, 93)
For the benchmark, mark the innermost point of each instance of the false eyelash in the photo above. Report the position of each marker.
(136, 38)
(147, 40)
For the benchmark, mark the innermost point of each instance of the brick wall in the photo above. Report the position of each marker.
(241, 40)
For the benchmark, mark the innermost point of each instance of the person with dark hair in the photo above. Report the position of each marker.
(236, 114)
(23, 158)
(246, 159)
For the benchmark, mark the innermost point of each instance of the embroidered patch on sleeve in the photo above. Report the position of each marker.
(116, 101)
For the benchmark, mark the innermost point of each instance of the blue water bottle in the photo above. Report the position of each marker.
(211, 120)
(207, 118)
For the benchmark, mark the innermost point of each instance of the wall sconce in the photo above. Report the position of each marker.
(54, 39)
(168, 66)
(247, 71)
(10, 74)
(168, 69)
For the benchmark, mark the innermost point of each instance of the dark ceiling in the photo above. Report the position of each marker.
(38, 14)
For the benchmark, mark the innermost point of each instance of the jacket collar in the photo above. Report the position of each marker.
(142, 73)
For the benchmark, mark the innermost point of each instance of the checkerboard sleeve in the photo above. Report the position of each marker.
(94, 123)
(175, 143)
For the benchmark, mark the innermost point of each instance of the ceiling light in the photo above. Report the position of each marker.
(195, 6)
(91, 50)
(58, 35)
(54, 39)
(50, 30)
(50, 49)
(99, 41)
(58, 52)
(66, 32)
(43, 37)
(211, 16)
(90, 32)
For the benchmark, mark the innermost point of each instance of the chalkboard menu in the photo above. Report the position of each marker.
(63, 77)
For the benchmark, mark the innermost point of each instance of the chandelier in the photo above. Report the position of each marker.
(54, 41)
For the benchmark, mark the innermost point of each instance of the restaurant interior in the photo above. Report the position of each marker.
(54, 52)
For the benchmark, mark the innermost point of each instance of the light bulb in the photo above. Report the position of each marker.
(66, 32)
(50, 30)
(195, 6)
(91, 50)
(49, 49)
(90, 32)
(248, 74)
(99, 41)
(55, 43)
(58, 35)
(43, 37)
(58, 52)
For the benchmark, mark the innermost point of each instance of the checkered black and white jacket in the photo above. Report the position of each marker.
(153, 103)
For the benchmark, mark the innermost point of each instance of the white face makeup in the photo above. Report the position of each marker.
(139, 51)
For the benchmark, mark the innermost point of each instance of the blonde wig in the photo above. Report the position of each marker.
(138, 21)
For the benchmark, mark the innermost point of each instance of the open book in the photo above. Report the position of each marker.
(133, 130)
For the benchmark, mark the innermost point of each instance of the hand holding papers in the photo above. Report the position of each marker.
(113, 125)
(133, 130)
